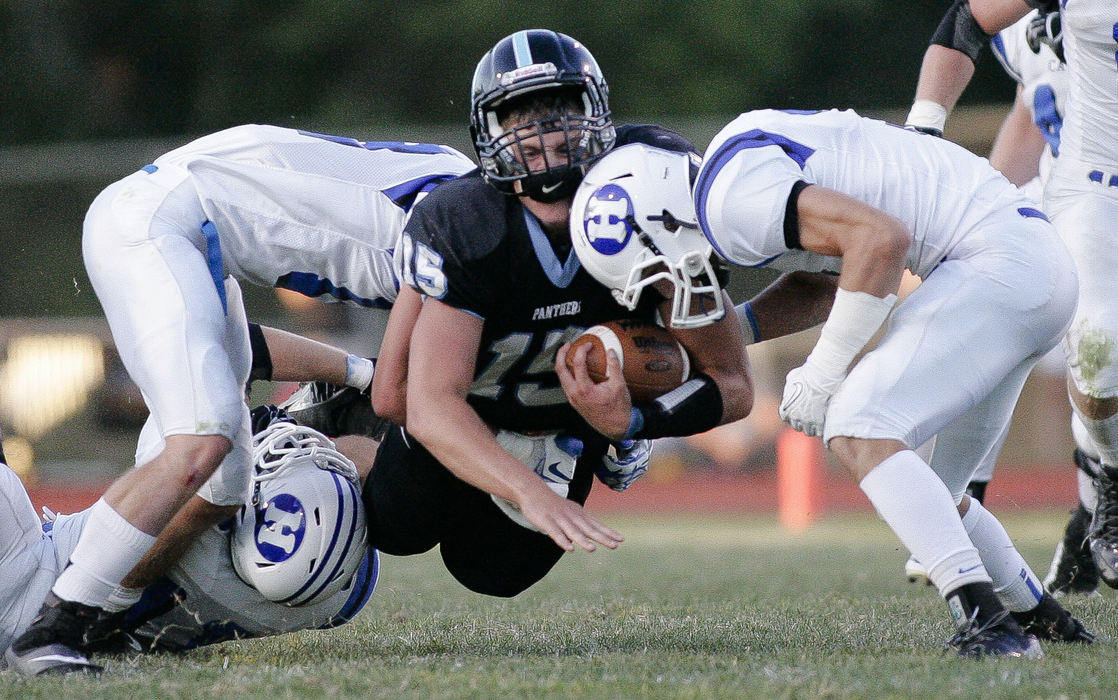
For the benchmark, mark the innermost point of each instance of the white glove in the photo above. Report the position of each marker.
(806, 395)
(629, 463)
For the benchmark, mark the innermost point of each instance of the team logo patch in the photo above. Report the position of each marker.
(280, 526)
(607, 220)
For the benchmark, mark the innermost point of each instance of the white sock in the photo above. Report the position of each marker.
(1088, 493)
(916, 504)
(1015, 583)
(107, 550)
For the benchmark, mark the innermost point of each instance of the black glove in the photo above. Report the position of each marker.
(1046, 30)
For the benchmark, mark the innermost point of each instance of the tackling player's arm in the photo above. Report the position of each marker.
(440, 372)
(391, 378)
(793, 302)
(873, 246)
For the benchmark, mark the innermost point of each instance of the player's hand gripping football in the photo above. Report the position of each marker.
(807, 392)
(606, 405)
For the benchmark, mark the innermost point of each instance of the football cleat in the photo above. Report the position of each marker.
(57, 640)
(999, 636)
(1073, 569)
(1102, 539)
(335, 410)
(915, 572)
(1050, 621)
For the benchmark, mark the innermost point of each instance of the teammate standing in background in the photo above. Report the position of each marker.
(1081, 196)
(164, 248)
(496, 463)
(1024, 151)
(835, 193)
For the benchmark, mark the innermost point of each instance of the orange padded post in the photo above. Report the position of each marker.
(799, 474)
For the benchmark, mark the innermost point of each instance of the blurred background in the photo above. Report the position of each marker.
(95, 89)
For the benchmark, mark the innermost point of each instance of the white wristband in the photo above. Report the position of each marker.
(358, 372)
(927, 114)
(749, 331)
(854, 319)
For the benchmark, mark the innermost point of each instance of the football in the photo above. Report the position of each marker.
(652, 361)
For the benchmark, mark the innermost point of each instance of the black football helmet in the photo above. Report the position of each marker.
(526, 63)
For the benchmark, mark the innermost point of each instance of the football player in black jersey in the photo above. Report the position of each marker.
(496, 463)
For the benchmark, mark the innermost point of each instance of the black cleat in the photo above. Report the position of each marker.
(335, 410)
(1102, 539)
(999, 636)
(57, 640)
(1049, 620)
(1073, 569)
(985, 627)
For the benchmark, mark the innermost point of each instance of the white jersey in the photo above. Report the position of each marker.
(1090, 132)
(1044, 84)
(313, 213)
(938, 189)
(200, 601)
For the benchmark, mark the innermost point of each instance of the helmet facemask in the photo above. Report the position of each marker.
(532, 85)
(545, 141)
(303, 537)
(696, 293)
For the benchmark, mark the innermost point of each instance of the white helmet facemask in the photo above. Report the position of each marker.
(633, 225)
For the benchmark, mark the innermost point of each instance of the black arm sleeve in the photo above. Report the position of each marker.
(261, 358)
(792, 217)
(958, 30)
(692, 408)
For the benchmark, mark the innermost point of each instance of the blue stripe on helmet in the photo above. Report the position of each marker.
(521, 50)
(316, 579)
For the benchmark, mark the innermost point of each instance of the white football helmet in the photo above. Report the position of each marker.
(304, 536)
(633, 224)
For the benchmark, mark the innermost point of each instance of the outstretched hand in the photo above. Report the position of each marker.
(605, 405)
(566, 522)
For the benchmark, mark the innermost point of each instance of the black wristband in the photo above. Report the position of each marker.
(261, 357)
(692, 408)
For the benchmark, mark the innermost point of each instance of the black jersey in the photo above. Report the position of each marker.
(481, 251)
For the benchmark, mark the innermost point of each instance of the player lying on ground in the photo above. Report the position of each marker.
(269, 570)
(166, 248)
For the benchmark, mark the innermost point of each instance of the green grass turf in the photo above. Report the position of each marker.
(716, 607)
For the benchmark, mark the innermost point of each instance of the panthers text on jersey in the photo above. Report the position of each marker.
(480, 251)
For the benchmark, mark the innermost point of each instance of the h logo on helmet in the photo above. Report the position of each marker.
(606, 222)
(280, 526)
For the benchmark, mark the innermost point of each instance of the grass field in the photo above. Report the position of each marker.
(726, 607)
